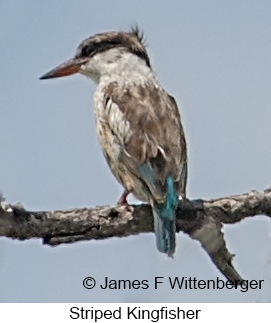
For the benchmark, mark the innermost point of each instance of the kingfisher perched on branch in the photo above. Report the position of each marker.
(138, 124)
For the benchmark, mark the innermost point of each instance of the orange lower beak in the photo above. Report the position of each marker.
(70, 67)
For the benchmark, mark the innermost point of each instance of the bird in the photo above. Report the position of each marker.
(138, 124)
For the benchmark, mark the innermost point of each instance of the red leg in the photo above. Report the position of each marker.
(122, 200)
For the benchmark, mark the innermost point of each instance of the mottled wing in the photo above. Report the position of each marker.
(152, 136)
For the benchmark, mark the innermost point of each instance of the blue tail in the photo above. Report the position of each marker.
(165, 220)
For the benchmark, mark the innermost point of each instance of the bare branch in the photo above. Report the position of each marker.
(201, 219)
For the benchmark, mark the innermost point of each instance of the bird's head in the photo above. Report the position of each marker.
(101, 54)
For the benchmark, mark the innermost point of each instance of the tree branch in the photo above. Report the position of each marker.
(202, 220)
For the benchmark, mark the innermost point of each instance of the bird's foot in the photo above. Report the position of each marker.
(123, 199)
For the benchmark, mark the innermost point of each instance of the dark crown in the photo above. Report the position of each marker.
(131, 41)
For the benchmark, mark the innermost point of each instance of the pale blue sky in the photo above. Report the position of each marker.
(214, 57)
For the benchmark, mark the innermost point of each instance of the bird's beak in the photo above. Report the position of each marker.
(70, 67)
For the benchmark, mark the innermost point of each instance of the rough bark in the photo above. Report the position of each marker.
(202, 220)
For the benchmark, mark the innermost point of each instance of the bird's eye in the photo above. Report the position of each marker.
(88, 49)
